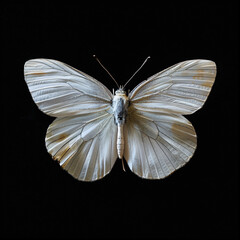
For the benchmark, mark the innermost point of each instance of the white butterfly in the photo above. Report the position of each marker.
(93, 126)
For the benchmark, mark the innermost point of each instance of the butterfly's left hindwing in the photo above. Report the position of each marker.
(85, 145)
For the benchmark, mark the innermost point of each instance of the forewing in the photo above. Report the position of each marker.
(85, 145)
(181, 89)
(60, 90)
(158, 144)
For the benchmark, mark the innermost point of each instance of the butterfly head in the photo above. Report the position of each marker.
(120, 92)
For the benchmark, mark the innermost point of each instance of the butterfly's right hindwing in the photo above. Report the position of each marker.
(158, 143)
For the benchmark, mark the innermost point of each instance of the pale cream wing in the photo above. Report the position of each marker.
(156, 144)
(85, 146)
(60, 90)
(180, 89)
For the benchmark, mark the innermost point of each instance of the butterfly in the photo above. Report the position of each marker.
(94, 127)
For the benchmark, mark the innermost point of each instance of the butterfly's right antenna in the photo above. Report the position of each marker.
(136, 72)
(106, 70)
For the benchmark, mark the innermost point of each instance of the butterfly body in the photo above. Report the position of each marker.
(120, 105)
(94, 127)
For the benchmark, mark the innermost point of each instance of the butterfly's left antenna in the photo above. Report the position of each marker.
(106, 70)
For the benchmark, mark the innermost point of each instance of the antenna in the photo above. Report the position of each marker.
(106, 70)
(136, 72)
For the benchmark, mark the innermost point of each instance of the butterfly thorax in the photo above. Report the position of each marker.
(120, 104)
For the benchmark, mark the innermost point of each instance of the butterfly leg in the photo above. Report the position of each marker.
(123, 167)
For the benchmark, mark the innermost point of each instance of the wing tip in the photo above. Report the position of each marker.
(200, 61)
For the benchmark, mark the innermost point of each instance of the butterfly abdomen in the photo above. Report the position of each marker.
(120, 141)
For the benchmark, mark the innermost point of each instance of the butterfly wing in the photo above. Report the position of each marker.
(83, 137)
(180, 89)
(85, 145)
(159, 139)
(158, 143)
(60, 90)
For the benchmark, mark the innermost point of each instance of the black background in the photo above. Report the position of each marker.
(41, 200)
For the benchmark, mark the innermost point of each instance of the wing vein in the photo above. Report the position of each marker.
(157, 157)
(167, 137)
(88, 94)
(176, 137)
(159, 144)
(145, 154)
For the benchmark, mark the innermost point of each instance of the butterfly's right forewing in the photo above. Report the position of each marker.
(180, 89)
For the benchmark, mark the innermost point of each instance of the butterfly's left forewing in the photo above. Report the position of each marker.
(159, 139)
(60, 90)
(83, 137)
